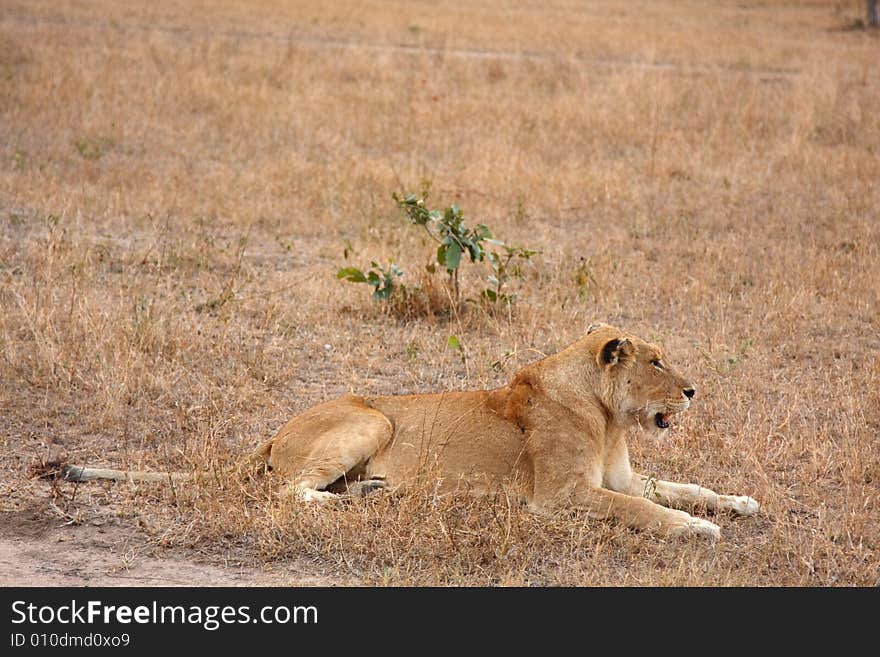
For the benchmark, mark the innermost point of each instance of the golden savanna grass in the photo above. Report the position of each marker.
(179, 182)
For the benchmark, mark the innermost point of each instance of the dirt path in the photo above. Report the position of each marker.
(36, 550)
(33, 562)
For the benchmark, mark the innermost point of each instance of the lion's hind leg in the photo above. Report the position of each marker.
(363, 487)
(310, 487)
(328, 446)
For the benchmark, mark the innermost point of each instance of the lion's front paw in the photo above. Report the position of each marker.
(693, 526)
(741, 504)
(309, 495)
(704, 528)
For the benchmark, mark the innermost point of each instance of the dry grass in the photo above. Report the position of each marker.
(177, 183)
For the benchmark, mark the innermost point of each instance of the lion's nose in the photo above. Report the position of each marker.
(689, 392)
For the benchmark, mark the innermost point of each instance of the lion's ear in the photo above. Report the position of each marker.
(617, 352)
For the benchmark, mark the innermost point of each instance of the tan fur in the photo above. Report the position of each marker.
(556, 434)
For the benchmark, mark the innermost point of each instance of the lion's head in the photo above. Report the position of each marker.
(640, 385)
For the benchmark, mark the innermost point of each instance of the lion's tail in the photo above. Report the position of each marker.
(78, 473)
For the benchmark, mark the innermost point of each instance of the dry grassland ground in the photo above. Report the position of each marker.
(179, 183)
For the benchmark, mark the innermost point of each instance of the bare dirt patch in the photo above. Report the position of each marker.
(80, 561)
(42, 548)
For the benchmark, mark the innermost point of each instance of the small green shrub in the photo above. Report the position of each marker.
(505, 265)
(454, 239)
(380, 278)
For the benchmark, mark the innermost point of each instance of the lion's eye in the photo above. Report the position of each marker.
(657, 364)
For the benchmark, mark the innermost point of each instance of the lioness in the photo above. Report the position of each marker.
(556, 433)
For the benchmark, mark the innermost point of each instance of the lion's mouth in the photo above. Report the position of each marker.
(661, 420)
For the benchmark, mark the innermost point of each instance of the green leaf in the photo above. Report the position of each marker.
(475, 251)
(451, 256)
(352, 274)
(454, 343)
(482, 231)
(383, 292)
(452, 217)
(491, 295)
